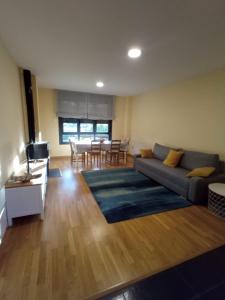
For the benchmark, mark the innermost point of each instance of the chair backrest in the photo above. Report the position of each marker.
(72, 146)
(125, 144)
(115, 145)
(96, 145)
(126, 140)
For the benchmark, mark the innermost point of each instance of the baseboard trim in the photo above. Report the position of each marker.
(68, 156)
(60, 156)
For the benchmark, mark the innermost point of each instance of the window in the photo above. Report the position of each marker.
(83, 130)
(69, 127)
(86, 127)
(102, 127)
(102, 130)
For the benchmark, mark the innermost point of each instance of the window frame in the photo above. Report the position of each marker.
(62, 120)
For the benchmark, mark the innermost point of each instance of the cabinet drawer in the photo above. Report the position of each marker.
(2, 198)
(24, 201)
(3, 223)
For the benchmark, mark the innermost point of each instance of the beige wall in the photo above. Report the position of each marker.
(11, 117)
(121, 125)
(188, 114)
(49, 121)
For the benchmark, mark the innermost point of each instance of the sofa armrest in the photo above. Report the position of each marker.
(136, 155)
(198, 189)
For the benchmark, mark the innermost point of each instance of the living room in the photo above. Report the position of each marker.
(131, 223)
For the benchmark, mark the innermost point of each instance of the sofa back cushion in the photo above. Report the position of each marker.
(222, 166)
(160, 151)
(173, 158)
(146, 153)
(193, 159)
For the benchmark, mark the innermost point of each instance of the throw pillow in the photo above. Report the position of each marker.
(146, 153)
(201, 172)
(173, 158)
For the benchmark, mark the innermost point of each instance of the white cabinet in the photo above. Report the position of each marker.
(24, 199)
(3, 217)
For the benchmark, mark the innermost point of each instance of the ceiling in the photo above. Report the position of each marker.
(71, 44)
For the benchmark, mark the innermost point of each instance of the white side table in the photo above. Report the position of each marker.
(216, 201)
(23, 199)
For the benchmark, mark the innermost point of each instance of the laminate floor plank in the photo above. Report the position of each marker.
(75, 254)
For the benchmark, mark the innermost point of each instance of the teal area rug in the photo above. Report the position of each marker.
(125, 193)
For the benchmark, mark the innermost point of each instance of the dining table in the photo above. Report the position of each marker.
(85, 146)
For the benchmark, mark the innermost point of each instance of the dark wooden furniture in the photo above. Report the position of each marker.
(95, 152)
(124, 150)
(113, 155)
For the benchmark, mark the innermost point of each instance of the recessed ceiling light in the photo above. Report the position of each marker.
(99, 84)
(134, 52)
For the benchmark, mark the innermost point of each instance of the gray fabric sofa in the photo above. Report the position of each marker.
(194, 189)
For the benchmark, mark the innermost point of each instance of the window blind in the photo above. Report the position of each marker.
(100, 107)
(71, 104)
(85, 105)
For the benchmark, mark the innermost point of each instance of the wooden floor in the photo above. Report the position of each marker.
(75, 254)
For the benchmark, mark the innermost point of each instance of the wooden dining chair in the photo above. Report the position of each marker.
(95, 151)
(124, 149)
(113, 155)
(75, 156)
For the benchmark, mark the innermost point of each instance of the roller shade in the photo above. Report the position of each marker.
(100, 107)
(84, 105)
(71, 105)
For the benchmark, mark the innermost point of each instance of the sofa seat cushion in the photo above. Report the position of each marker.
(176, 175)
(192, 160)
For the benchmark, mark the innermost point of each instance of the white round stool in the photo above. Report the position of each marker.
(216, 201)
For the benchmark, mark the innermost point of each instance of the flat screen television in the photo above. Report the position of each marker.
(35, 151)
